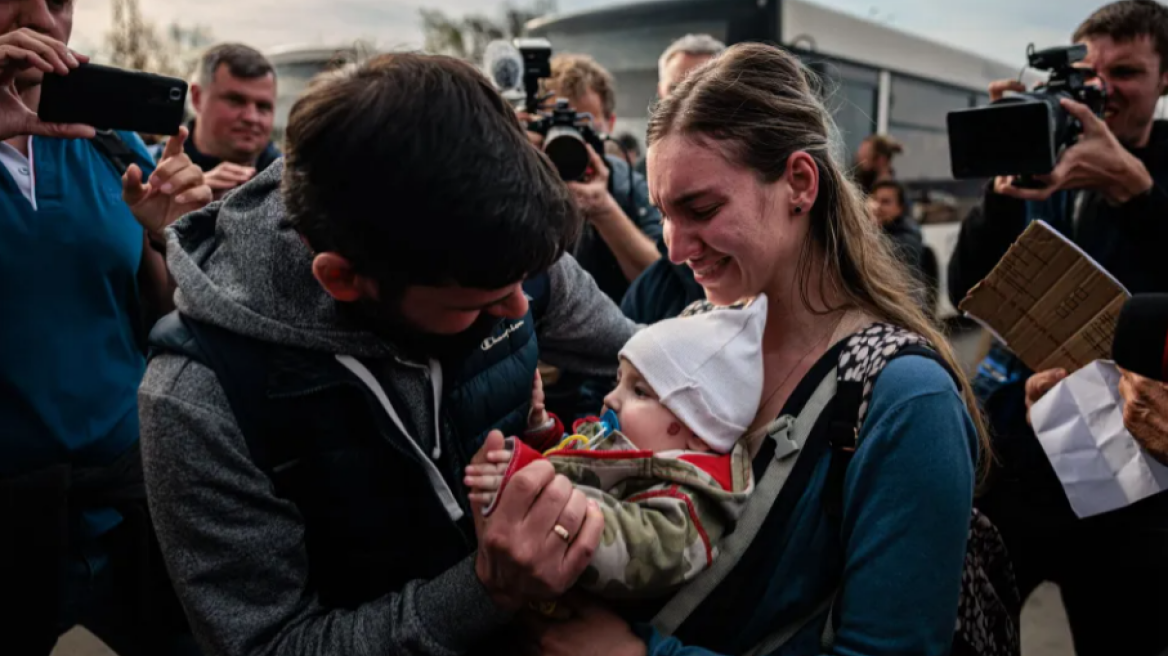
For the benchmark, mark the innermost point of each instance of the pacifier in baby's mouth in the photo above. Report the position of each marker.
(609, 421)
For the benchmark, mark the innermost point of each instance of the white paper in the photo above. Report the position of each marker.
(1080, 426)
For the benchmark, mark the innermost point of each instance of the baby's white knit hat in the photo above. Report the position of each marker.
(706, 368)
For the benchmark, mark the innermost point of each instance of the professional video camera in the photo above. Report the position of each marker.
(1023, 134)
(565, 131)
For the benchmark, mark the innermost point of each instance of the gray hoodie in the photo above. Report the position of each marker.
(235, 550)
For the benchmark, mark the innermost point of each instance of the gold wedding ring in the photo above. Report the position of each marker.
(562, 532)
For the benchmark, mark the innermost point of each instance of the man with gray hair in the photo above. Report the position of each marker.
(664, 289)
(682, 56)
(234, 98)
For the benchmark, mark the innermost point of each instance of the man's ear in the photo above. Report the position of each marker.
(197, 98)
(337, 276)
(609, 124)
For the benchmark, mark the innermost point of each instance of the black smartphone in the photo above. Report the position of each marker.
(110, 98)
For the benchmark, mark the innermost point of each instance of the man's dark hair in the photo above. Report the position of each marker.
(415, 169)
(1127, 20)
(629, 143)
(884, 146)
(243, 62)
(901, 194)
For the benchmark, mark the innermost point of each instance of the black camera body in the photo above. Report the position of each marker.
(1022, 135)
(566, 133)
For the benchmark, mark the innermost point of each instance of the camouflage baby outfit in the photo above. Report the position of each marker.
(664, 513)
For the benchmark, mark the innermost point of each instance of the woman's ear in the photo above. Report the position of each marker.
(802, 177)
(338, 278)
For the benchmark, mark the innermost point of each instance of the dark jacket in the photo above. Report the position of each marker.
(905, 234)
(632, 194)
(1127, 240)
(351, 534)
(909, 245)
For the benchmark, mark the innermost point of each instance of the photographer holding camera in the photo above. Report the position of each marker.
(621, 225)
(1107, 194)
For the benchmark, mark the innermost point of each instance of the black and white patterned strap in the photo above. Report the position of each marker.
(867, 352)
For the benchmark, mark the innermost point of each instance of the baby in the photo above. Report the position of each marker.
(664, 460)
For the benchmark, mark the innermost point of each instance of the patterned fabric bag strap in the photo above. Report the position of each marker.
(861, 360)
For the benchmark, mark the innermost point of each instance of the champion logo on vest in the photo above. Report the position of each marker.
(490, 342)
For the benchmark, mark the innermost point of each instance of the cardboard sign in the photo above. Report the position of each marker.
(1049, 302)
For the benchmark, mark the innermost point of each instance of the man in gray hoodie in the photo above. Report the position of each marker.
(353, 324)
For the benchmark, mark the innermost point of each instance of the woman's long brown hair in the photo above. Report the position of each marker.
(759, 104)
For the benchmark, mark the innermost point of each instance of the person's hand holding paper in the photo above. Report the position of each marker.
(1057, 310)
(1145, 413)
(1039, 384)
(1080, 425)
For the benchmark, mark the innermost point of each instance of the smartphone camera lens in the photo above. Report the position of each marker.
(176, 94)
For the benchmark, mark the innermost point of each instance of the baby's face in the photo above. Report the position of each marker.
(647, 423)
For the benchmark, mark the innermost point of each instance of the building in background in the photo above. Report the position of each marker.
(295, 67)
(880, 79)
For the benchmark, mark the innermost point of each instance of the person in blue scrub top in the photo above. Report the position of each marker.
(82, 276)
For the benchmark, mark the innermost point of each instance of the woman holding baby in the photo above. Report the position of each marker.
(742, 165)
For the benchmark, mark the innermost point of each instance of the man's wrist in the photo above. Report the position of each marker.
(503, 601)
(1136, 182)
(456, 610)
(605, 213)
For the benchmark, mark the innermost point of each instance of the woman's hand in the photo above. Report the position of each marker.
(593, 630)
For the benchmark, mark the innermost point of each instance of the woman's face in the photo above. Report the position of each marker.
(740, 235)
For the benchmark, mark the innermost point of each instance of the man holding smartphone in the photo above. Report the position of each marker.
(234, 97)
(79, 285)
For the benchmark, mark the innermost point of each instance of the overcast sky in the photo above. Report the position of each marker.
(999, 29)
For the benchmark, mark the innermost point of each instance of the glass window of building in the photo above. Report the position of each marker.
(917, 118)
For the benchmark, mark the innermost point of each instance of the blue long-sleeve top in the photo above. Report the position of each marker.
(908, 494)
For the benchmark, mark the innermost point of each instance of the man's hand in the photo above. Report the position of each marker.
(520, 556)
(1039, 384)
(1097, 161)
(228, 176)
(592, 196)
(23, 49)
(1145, 413)
(535, 138)
(175, 188)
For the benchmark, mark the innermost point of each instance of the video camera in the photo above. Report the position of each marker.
(565, 131)
(1023, 134)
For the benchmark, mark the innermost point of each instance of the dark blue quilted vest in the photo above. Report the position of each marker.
(372, 518)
